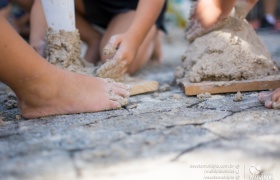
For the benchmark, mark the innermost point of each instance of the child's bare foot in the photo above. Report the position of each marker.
(65, 92)
(270, 100)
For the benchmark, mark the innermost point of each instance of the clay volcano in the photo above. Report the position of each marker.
(233, 52)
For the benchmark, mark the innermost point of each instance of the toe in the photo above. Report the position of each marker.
(276, 105)
(122, 101)
(276, 95)
(114, 105)
(121, 92)
(263, 97)
(122, 86)
(268, 104)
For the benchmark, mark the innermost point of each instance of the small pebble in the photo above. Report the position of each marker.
(176, 97)
(156, 94)
(131, 106)
(203, 96)
(18, 117)
(238, 97)
(164, 88)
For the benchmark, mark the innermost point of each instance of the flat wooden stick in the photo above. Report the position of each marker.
(230, 86)
(142, 86)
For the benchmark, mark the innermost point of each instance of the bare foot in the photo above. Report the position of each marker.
(68, 93)
(270, 100)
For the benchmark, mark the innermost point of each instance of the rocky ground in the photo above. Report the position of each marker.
(167, 136)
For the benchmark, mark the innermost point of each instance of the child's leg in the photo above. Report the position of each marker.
(120, 24)
(38, 26)
(88, 34)
(5, 12)
(25, 4)
(270, 9)
(157, 55)
(44, 90)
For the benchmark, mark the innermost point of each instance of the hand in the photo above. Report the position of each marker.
(121, 50)
(121, 47)
(243, 7)
(206, 16)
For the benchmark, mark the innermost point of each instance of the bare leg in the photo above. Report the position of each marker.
(25, 4)
(157, 55)
(44, 90)
(269, 10)
(38, 26)
(120, 24)
(269, 6)
(88, 34)
(5, 12)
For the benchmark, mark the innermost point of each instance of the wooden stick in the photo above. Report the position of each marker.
(142, 86)
(230, 86)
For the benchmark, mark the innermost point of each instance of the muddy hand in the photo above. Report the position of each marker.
(113, 69)
(204, 18)
(243, 7)
(271, 100)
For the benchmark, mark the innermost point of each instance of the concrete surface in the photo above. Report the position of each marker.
(162, 138)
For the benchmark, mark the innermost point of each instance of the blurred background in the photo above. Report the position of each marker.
(264, 17)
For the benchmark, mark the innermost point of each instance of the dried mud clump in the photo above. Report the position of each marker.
(233, 52)
(63, 49)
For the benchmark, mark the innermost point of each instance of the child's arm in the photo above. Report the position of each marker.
(128, 43)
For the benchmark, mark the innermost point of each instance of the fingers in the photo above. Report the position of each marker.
(276, 105)
(194, 31)
(192, 16)
(243, 7)
(271, 99)
(111, 47)
(263, 97)
(276, 95)
(268, 104)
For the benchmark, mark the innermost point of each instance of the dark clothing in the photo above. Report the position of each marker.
(3, 3)
(101, 12)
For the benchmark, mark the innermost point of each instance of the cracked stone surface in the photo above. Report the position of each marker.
(162, 138)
